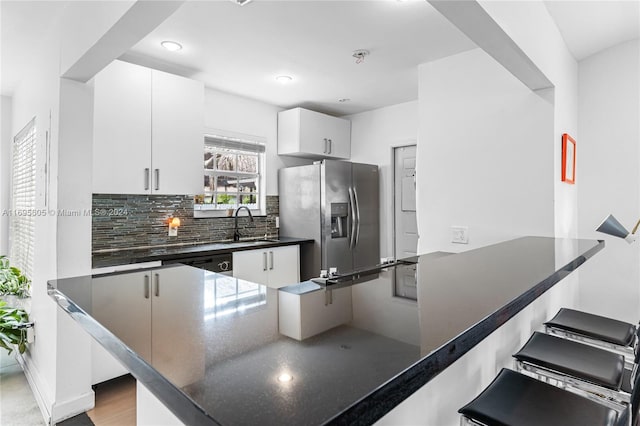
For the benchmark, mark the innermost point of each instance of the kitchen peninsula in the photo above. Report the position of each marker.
(212, 352)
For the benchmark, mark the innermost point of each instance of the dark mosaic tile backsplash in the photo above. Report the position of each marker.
(125, 221)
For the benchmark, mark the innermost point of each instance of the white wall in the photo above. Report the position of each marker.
(5, 170)
(38, 96)
(531, 27)
(236, 116)
(373, 135)
(608, 176)
(485, 154)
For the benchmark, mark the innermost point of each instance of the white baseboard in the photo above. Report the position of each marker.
(38, 389)
(53, 411)
(66, 409)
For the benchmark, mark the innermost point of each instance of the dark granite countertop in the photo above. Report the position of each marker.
(219, 364)
(149, 254)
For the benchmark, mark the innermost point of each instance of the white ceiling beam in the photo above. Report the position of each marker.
(471, 18)
(138, 21)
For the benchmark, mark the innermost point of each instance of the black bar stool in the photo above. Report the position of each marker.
(513, 399)
(611, 334)
(582, 368)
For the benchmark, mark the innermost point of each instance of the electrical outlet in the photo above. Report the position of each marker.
(277, 221)
(460, 234)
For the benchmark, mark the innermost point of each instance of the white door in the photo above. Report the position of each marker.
(251, 265)
(284, 266)
(177, 134)
(122, 129)
(406, 227)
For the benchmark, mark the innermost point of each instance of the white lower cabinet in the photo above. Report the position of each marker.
(141, 308)
(274, 267)
(301, 316)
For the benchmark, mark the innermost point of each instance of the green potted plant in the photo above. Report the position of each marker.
(14, 323)
(12, 280)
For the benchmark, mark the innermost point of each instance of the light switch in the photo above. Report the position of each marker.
(460, 234)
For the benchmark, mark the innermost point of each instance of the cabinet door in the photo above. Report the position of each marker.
(338, 131)
(313, 133)
(177, 134)
(123, 305)
(284, 266)
(122, 129)
(251, 265)
(177, 326)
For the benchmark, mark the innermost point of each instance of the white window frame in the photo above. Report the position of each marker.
(249, 145)
(23, 199)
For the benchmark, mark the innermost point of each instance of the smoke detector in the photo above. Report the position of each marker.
(360, 54)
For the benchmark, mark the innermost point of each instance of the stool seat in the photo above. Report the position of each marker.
(594, 326)
(588, 363)
(513, 399)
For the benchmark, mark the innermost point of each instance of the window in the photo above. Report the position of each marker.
(23, 199)
(232, 174)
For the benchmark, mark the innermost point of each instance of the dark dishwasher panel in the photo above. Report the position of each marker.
(221, 263)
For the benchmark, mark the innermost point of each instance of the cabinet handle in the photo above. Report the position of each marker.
(264, 261)
(146, 286)
(270, 260)
(325, 146)
(157, 277)
(146, 179)
(329, 146)
(157, 179)
(328, 297)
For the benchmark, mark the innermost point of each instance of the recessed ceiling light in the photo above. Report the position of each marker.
(344, 100)
(284, 79)
(241, 2)
(284, 378)
(171, 46)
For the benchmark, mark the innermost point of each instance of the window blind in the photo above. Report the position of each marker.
(235, 144)
(23, 199)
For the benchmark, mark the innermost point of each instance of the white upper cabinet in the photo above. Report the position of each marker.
(177, 134)
(122, 129)
(148, 132)
(310, 134)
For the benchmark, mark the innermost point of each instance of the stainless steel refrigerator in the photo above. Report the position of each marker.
(337, 204)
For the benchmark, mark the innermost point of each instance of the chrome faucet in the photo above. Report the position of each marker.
(236, 234)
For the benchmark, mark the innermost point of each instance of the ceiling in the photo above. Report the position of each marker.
(23, 27)
(240, 50)
(591, 26)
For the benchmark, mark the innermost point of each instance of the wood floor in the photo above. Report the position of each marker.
(115, 403)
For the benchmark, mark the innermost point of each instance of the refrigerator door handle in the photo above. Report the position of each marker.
(352, 214)
(357, 210)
